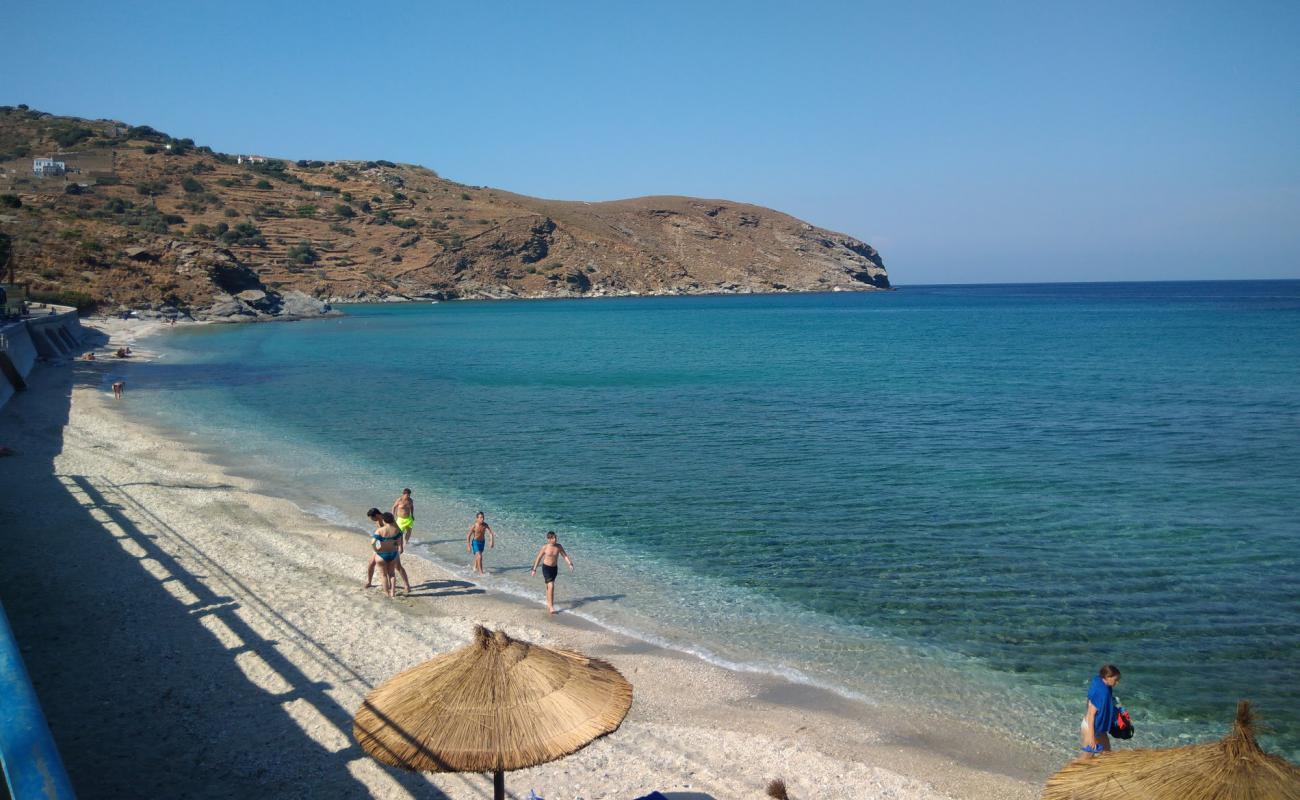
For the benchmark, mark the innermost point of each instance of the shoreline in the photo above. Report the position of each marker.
(692, 722)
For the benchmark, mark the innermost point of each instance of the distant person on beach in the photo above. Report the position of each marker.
(1101, 712)
(475, 539)
(404, 511)
(549, 557)
(118, 388)
(387, 543)
(90, 356)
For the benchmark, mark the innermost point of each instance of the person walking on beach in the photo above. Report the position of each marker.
(475, 539)
(387, 542)
(549, 557)
(118, 388)
(404, 511)
(1100, 713)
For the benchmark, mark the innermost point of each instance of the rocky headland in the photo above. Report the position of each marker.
(135, 218)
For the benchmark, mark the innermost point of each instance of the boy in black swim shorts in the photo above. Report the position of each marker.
(549, 557)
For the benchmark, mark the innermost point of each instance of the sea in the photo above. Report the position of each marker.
(959, 499)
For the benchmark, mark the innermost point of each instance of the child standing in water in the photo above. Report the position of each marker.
(549, 557)
(475, 539)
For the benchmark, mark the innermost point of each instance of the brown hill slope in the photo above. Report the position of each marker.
(143, 219)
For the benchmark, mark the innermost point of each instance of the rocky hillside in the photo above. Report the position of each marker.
(142, 219)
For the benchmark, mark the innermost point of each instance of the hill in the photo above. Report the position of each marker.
(137, 218)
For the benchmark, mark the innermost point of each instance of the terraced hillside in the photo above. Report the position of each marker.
(142, 219)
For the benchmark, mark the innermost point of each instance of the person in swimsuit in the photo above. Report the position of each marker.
(1100, 713)
(549, 557)
(475, 539)
(404, 511)
(391, 522)
(387, 543)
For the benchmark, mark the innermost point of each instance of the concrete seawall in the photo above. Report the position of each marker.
(53, 336)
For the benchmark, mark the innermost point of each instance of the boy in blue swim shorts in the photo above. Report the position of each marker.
(479, 533)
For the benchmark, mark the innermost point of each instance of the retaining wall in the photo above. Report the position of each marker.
(51, 337)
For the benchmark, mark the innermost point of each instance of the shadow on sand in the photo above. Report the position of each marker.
(450, 588)
(101, 591)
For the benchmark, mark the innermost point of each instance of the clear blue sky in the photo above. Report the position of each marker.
(969, 142)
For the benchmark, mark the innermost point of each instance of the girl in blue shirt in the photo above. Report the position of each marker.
(1102, 709)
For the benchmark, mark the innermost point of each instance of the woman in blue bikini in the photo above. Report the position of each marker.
(386, 542)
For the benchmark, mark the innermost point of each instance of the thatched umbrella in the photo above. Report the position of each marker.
(1234, 768)
(494, 705)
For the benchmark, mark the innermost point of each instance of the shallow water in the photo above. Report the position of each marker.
(966, 497)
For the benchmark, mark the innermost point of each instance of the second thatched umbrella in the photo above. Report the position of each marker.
(497, 704)
(1234, 768)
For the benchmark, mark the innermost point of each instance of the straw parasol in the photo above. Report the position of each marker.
(1234, 768)
(496, 704)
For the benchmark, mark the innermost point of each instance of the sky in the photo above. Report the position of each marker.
(969, 142)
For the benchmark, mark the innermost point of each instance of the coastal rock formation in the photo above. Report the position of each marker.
(144, 220)
(236, 292)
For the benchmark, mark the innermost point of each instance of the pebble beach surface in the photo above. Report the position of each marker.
(190, 636)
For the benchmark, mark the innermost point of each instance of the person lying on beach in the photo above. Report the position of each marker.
(386, 541)
(404, 511)
(549, 557)
(1100, 713)
(475, 538)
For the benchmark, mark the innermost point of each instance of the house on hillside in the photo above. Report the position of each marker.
(251, 159)
(46, 167)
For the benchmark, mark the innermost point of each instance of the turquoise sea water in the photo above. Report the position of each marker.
(961, 497)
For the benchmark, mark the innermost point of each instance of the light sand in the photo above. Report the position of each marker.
(190, 637)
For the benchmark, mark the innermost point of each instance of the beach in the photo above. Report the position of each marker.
(189, 635)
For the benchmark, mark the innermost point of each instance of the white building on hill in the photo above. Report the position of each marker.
(45, 167)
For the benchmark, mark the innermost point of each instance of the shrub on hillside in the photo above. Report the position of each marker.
(10, 201)
(148, 149)
(81, 301)
(192, 186)
(464, 196)
(344, 210)
(146, 132)
(73, 188)
(405, 222)
(246, 234)
(302, 253)
(150, 188)
(70, 136)
(262, 184)
(306, 210)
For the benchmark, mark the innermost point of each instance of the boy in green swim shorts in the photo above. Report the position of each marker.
(404, 511)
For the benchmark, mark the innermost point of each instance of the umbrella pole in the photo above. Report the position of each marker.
(499, 785)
